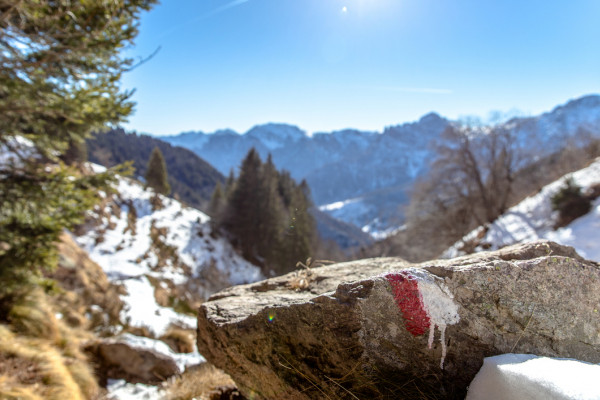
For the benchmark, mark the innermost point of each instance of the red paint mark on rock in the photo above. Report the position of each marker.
(410, 302)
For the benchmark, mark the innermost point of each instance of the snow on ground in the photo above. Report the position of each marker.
(530, 377)
(355, 211)
(182, 360)
(377, 232)
(124, 248)
(533, 219)
(120, 389)
(142, 309)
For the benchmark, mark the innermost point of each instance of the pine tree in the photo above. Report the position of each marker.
(54, 91)
(156, 173)
(217, 206)
(267, 216)
(300, 234)
(243, 213)
(76, 153)
(272, 216)
(229, 183)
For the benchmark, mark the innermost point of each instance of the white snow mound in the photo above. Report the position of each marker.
(530, 377)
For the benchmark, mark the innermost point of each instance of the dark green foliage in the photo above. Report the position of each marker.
(217, 205)
(60, 65)
(192, 179)
(36, 204)
(76, 153)
(300, 234)
(156, 173)
(266, 213)
(570, 203)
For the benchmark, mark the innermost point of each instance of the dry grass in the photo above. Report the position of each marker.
(9, 390)
(179, 340)
(302, 279)
(40, 355)
(198, 383)
(33, 316)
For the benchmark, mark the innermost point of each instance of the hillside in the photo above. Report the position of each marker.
(166, 261)
(364, 178)
(144, 240)
(533, 219)
(191, 178)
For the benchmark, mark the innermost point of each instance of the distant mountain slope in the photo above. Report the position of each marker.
(534, 219)
(337, 166)
(191, 178)
(346, 235)
(355, 167)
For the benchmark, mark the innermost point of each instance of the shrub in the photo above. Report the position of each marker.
(179, 340)
(570, 203)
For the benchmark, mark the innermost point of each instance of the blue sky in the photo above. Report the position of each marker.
(331, 64)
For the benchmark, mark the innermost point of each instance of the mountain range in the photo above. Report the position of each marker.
(364, 177)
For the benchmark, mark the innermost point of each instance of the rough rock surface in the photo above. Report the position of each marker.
(115, 359)
(364, 329)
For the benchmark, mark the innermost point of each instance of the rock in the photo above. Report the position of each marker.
(384, 328)
(225, 393)
(117, 359)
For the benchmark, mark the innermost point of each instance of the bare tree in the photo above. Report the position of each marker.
(476, 167)
(470, 183)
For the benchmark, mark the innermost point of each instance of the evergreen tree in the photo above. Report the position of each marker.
(300, 235)
(60, 65)
(229, 183)
(271, 218)
(76, 153)
(243, 213)
(217, 206)
(267, 216)
(156, 173)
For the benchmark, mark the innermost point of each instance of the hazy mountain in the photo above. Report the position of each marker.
(364, 177)
(338, 166)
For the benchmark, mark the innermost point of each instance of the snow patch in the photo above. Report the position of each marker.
(182, 360)
(532, 219)
(120, 389)
(141, 308)
(123, 247)
(526, 376)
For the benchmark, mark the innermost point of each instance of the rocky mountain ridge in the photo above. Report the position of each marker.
(364, 177)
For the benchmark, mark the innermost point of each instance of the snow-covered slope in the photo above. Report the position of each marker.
(162, 253)
(534, 219)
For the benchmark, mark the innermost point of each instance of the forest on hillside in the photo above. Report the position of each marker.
(192, 179)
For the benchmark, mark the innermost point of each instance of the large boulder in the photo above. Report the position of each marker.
(124, 358)
(384, 328)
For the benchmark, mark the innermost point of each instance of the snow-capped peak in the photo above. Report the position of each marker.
(274, 136)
